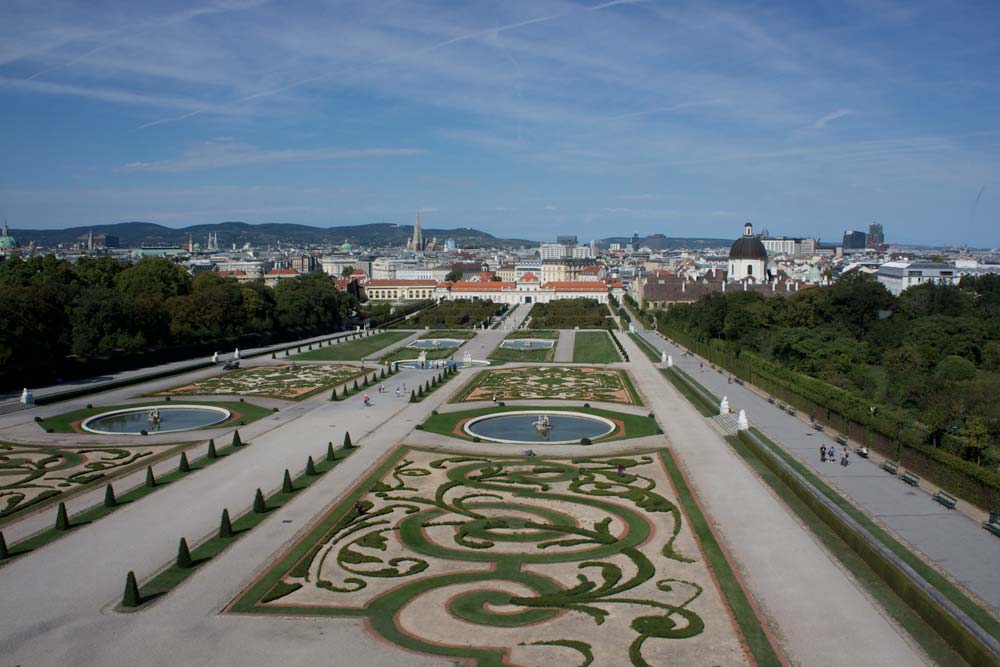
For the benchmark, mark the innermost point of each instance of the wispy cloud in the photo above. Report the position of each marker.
(214, 155)
(830, 117)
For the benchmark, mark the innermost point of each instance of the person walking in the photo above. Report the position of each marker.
(822, 453)
(397, 392)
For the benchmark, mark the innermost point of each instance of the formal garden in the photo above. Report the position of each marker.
(569, 314)
(499, 560)
(575, 383)
(287, 381)
(241, 413)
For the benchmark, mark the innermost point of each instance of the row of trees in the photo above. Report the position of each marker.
(458, 314)
(51, 308)
(568, 314)
(932, 353)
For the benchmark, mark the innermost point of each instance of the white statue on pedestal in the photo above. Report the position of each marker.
(743, 424)
(663, 357)
(467, 359)
(26, 397)
(631, 327)
(724, 406)
(670, 361)
(422, 357)
(215, 357)
(236, 354)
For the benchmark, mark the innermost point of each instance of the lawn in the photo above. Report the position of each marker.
(539, 355)
(459, 334)
(594, 347)
(549, 334)
(356, 349)
(411, 353)
(242, 413)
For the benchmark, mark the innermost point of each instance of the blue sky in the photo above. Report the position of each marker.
(522, 118)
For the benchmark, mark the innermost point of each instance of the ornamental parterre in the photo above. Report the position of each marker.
(512, 560)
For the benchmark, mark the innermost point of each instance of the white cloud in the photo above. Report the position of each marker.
(214, 155)
(830, 117)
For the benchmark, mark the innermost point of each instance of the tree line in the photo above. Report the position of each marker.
(932, 354)
(52, 309)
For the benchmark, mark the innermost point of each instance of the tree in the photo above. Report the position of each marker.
(346, 271)
(453, 277)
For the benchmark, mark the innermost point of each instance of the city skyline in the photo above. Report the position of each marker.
(597, 119)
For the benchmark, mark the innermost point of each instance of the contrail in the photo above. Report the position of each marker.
(380, 61)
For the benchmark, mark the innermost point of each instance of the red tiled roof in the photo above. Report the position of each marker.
(392, 282)
(528, 278)
(283, 272)
(577, 286)
(488, 286)
(231, 274)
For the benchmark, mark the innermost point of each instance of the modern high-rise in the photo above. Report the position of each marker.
(855, 240)
(876, 237)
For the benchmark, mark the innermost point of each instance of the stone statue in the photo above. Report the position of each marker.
(26, 397)
(670, 361)
(215, 357)
(236, 354)
(743, 424)
(663, 357)
(724, 406)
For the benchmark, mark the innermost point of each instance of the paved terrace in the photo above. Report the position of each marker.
(954, 542)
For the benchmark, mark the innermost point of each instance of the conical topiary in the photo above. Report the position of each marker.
(355, 385)
(420, 391)
(109, 497)
(212, 454)
(259, 506)
(413, 397)
(427, 386)
(225, 525)
(383, 374)
(330, 454)
(310, 467)
(3, 548)
(286, 353)
(274, 356)
(150, 478)
(286, 483)
(237, 442)
(347, 441)
(131, 598)
(333, 395)
(62, 517)
(183, 465)
(183, 555)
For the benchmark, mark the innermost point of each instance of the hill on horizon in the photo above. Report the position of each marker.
(271, 233)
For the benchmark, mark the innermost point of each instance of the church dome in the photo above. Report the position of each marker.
(748, 247)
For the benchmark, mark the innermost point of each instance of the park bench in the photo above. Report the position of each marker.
(890, 467)
(792, 412)
(818, 427)
(861, 451)
(946, 499)
(993, 525)
(770, 399)
(841, 440)
(910, 478)
(738, 381)
(782, 406)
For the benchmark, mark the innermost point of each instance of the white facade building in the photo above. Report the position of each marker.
(900, 276)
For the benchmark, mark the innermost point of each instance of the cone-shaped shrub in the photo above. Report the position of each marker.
(413, 397)
(298, 349)
(355, 385)
(184, 555)
(310, 467)
(333, 394)
(62, 518)
(427, 386)
(259, 506)
(225, 526)
(109, 497)
(330, 454)
(237, 441)
(420, 392)
(310, 346)
(286, 353)
(347, 441)
(150, 478)
(131, 598)
(3, 548)
(274, 356)
(383, 374)
(212, 454)
(286, 483)
(183, 465)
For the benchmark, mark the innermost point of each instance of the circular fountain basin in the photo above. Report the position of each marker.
(528, 344)
(518, 427)
(173, 418)
(435, 343)
(431, 364)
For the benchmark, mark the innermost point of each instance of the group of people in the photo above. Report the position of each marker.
(830, 454)
(367, 400)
